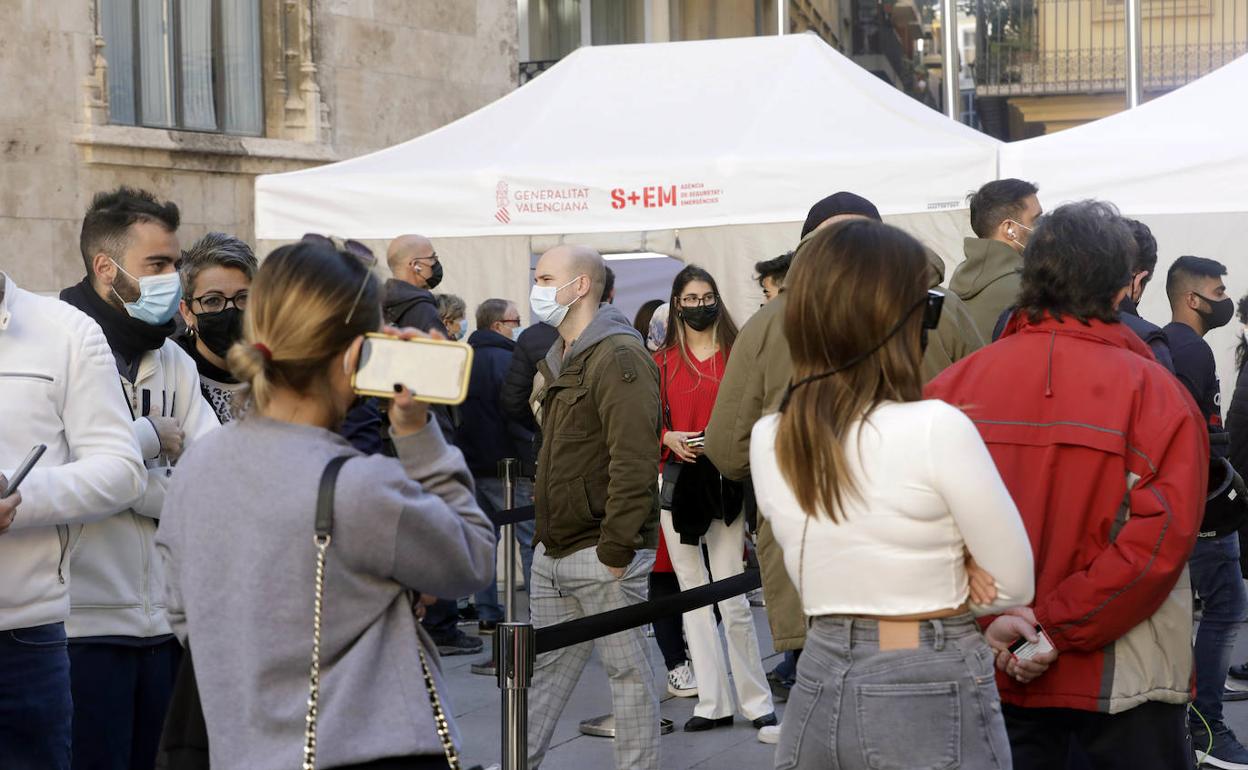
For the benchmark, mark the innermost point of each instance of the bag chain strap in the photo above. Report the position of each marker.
(314, 675)
(439, 716)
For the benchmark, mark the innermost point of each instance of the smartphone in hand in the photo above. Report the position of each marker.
(435, 371)
(20, 474)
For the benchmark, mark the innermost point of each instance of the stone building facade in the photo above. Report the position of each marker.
(336, 78)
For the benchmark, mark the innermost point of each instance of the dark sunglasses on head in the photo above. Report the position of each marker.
(351, 248)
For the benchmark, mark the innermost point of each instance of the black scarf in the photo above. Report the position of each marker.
(128, 337)
(205, 367)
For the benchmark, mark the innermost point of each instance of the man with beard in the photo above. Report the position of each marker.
(122, 653)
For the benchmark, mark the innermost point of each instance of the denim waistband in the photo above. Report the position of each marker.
(933, 633)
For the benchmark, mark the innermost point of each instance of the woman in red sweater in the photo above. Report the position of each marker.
(691, 363)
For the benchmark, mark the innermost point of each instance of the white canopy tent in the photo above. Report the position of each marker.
(1180, 165)
(709, 151)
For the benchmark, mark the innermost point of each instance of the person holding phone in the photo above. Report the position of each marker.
(401, 525)
(874, 495)
(691, 362)
(58, 386)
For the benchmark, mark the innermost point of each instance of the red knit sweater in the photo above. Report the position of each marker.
(688, 398)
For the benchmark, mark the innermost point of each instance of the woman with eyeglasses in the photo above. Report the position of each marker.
(699, 338)
(216, 279)
(874, 495)
(241, 556)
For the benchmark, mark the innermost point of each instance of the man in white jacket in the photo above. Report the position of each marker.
(58, 386)
(122, 651)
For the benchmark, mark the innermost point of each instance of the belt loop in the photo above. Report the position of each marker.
(938, 630)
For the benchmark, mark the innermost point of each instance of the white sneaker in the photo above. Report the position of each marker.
(680, 682)
(769, 734)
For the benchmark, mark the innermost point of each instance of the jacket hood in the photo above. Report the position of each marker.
(488, 338)
(987, 262)
(608, 322)
(936, 268)
(400, 294)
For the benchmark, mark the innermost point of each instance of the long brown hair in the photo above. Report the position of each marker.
(725, 329)
(849, 286)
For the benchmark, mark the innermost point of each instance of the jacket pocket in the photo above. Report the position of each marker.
(569, 422)
(571, 515)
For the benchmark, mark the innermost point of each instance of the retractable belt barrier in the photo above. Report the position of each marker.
(615, 621)
(513, 515)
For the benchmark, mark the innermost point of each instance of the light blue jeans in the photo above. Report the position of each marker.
(854, 707)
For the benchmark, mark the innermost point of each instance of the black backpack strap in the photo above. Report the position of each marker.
(325, 496)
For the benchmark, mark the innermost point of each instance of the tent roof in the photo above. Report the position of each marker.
(647, 137)
(1182, 153)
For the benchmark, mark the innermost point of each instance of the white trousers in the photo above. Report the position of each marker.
(726, 545)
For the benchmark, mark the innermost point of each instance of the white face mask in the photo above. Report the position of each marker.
(544, 305)
(158, 297)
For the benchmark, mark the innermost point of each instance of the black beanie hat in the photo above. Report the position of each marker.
(838, 203)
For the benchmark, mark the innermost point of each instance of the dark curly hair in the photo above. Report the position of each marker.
(1076, 262)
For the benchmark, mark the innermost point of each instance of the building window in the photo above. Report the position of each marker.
(185, 64)
(715, 19)
(618, 21)
(554, 28)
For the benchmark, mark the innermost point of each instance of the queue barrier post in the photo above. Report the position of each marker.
(508, 470)
(514, 656)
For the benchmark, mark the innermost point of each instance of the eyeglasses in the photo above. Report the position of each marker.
(511, 321)
(351, 248)
(693, 300)
(215, 303)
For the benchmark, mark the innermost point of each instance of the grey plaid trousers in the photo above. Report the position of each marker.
(573, 587)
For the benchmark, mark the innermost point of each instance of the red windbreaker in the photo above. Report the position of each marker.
(1106, 455)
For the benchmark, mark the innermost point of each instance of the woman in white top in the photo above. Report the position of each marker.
(876, 497)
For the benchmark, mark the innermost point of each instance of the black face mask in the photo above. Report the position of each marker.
(700, 318)
(435, 276)
(220, 330)
(1220, 315)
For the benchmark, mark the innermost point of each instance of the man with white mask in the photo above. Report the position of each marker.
(595, 495)
(123, 655)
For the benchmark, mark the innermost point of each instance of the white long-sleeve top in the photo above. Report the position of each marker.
(58, 386)
(926, 489)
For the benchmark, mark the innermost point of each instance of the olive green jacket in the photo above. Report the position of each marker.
(956, 336)
(757, 374)
(598, 468)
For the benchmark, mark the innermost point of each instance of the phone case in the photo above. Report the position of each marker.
(463, 392)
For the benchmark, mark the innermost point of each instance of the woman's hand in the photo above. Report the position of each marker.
(983, 585)
(407, 414)
(676, 440)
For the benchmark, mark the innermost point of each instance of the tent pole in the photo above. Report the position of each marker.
(782, 17)
(1135, 84)
(949, 44)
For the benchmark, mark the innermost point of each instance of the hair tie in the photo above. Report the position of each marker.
(264, 350)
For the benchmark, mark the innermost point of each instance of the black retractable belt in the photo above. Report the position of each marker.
(615, 621)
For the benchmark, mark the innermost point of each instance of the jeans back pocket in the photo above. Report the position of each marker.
(913, 726)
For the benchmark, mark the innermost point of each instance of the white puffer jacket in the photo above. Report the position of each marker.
(58, 386)
(118, 587)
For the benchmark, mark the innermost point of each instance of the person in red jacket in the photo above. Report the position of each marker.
(1106, 455)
